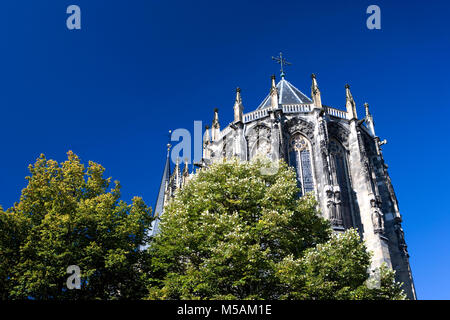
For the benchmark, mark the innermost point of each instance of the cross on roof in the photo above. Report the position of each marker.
(282, 61)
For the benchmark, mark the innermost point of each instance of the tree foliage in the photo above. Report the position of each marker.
(337, 269)
(68, 216)
(235, 232)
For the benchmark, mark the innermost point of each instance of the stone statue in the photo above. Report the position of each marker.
(334, 208)
(377, 217)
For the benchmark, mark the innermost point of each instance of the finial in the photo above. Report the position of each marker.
(238, 107)
(314, 80)
(238, 95)
(350, 103)
(282, 61)
(206, 136)
(215, 128)
(186, 169)
(273, 82)
(216, 118)
(369, 120)
(366, 106)
(315, 92)
(273, 94)
(169, 145)
(348, 94)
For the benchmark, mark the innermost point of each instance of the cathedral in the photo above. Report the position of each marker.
(335, 154)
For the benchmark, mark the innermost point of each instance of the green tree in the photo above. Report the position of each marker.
(10, 239)
(235, 232)
(68, 215)
(337, 269)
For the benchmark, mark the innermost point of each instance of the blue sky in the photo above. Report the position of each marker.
(137, 68)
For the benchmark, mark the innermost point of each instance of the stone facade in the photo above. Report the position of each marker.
(336, 155)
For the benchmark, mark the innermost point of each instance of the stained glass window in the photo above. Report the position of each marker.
(308, 183)
(300, 159)
(293, 156)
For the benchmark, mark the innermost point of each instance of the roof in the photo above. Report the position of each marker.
(287, 94)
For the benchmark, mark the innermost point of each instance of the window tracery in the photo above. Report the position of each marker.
(300, 159)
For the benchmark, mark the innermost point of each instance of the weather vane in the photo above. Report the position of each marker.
(282, 61)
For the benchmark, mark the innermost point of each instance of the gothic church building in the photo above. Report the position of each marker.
(335, 154)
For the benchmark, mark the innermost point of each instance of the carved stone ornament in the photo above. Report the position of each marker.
(299, 143)
(369, 144)
(299, 125)
(259, 140)
(400, 237)
(339, 132)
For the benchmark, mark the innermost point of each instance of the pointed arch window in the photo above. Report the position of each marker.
(260, 141)
(300, 159)
(341, 178)
(261, 147)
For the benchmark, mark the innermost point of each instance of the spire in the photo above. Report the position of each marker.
(162, 187)
(215, 130)
(315, 92)
(369, 120)
(159, 206)
(350, 103)
(238, 107)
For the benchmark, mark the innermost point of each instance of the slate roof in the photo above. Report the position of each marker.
(287, 94)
